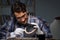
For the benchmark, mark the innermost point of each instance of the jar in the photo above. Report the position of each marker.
(55, 28)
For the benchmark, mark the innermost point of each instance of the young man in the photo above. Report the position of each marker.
(21, 24)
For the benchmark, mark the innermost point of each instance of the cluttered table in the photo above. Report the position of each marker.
(22, 39)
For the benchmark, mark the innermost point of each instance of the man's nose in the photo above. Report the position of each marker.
(23, 19)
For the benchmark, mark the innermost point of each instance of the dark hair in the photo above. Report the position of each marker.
(18, 7)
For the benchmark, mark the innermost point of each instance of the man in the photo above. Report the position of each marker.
(21, 24)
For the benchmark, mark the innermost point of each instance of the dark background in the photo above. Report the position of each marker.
(47, 9)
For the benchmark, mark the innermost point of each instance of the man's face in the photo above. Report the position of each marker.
(21, 17)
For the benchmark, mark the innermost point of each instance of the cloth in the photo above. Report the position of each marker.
(9, 26)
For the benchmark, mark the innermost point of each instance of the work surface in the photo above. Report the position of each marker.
(22, 39)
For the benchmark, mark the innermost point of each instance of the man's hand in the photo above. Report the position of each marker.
(38, 28)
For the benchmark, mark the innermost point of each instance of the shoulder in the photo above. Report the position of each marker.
(7, 23)
(33, 19)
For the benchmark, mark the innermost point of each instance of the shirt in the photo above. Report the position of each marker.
(9, 26)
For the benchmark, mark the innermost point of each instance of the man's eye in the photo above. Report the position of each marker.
(21, 16)
(18, 17)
